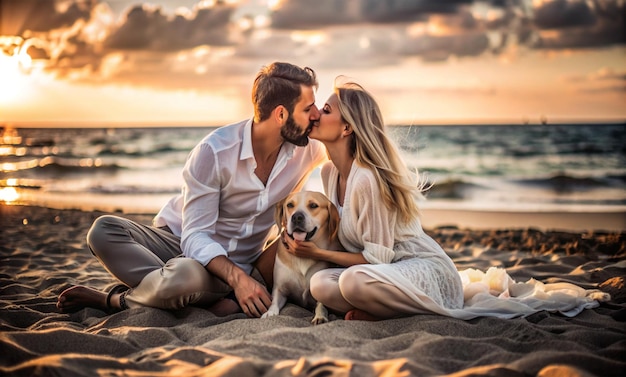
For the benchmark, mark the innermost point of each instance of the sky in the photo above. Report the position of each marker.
(185, 62)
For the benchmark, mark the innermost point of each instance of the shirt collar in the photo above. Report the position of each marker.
(246, 148)
(289, 149)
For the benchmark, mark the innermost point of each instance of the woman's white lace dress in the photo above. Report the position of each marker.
(404, 256)
(399, 254)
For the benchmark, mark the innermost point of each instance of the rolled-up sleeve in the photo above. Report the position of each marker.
(377, 254)
(201, 193)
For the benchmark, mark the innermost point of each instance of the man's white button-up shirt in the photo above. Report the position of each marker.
(223, 207)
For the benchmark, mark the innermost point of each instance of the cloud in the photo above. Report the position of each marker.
(147, 28)
(300, 14)
(579, 24)
(348, 46)
(42, 16)
(604, 80)
(440, 48)
(550, 24)
(459, 35)
(558, 14)
(83, 40)
(432, 30)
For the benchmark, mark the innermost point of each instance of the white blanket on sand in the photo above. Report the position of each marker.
(495, 294)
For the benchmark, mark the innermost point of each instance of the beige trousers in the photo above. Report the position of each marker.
(150, 262)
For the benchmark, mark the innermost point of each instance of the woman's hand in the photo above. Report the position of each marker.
(302, 249)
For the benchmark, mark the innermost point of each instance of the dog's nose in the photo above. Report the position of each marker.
(298, 218)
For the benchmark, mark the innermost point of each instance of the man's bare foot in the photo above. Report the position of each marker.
(360, 315)
(224, 307)
(78, 297)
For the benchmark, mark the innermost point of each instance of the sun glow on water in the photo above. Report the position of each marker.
(8, 195)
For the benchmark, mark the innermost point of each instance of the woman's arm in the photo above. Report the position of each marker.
(308, 249)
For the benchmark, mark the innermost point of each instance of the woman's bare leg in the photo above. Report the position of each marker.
(325, 289)
(374, 299)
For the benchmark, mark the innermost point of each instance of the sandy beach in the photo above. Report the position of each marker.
(43, 252)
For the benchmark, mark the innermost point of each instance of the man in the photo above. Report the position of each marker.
(206, 243)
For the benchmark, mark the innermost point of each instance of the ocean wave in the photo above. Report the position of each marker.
(57, 165)
(590, 202)
(11, 137)
(162, 149)
(449, 189)
(567, 183)
(132, 189)
(27, 184)
(617, 177)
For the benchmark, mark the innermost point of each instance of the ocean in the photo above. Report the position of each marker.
(562, 167)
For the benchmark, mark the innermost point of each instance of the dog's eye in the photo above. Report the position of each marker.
(313, 205)
(289, 205)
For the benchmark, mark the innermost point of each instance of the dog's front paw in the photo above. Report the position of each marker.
(318, 320)
(272, 311)
(321, 314)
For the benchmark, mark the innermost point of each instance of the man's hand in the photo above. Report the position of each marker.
(251, 295)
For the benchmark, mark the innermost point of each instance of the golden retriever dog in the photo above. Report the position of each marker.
(303, 216)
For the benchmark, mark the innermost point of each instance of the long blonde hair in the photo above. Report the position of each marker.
(373, 148)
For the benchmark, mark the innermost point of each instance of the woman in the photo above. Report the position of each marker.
(393, 268)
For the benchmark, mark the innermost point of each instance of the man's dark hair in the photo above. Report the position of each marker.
(279, 84)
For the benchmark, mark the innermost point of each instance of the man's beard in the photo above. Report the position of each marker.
(293, 134)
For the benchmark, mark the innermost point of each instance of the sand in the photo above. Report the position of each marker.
(578, 221)
(43, 252)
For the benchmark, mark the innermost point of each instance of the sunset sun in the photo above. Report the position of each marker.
(14, 82)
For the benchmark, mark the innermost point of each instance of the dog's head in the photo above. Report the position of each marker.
(308, 215)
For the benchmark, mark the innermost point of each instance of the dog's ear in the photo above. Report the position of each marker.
(278, 214)
(333, 220)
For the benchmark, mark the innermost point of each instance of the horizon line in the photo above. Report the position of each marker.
(425, 122)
